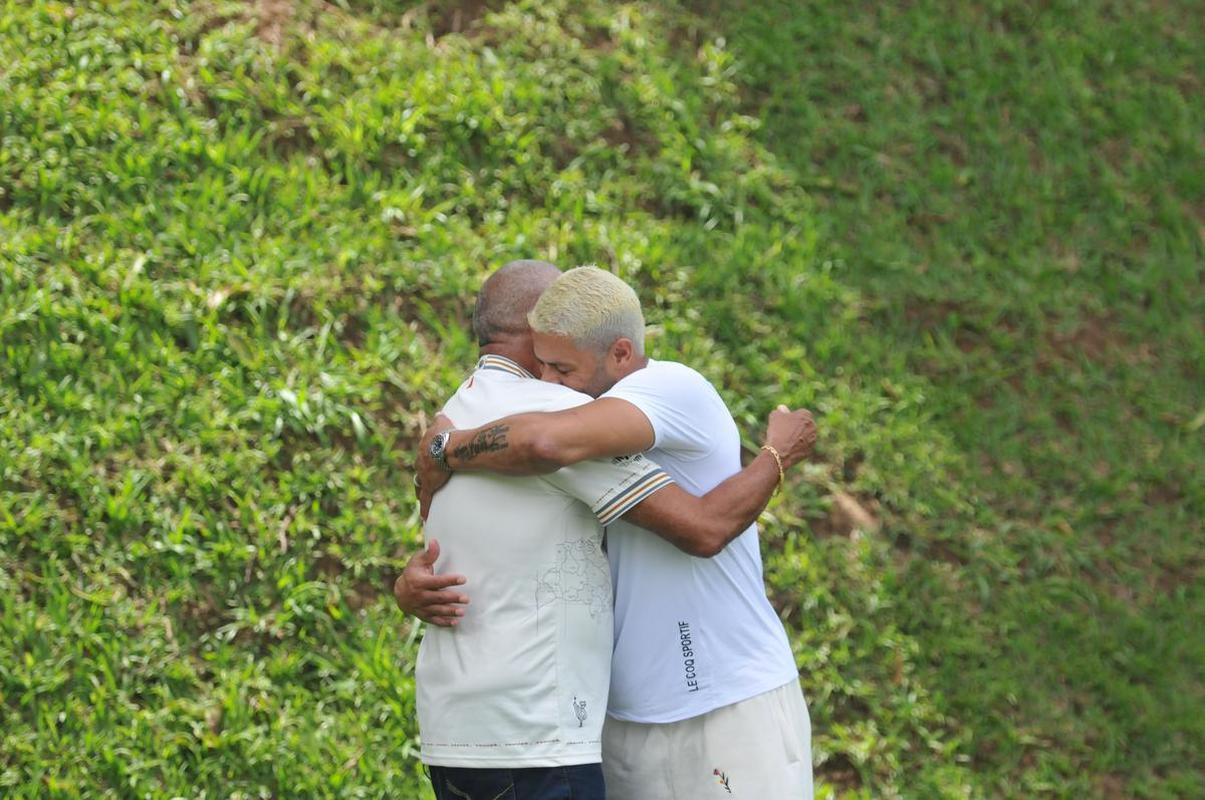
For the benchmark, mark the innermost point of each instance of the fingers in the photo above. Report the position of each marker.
(793, 433)
(807, 429)
(431, 597)
(419, 575)
(422, 562)
(427, 602)
(443, 610)
(439, 597)
(426, 591)
(429, 555)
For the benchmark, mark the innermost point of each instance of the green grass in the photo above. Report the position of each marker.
(238, 249)
(1016, 193)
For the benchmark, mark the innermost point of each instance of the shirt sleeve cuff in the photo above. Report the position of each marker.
(623, 502)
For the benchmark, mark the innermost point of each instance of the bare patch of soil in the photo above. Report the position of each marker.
(273, 17)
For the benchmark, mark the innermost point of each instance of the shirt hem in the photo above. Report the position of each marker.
(516, 763)
(714, 701)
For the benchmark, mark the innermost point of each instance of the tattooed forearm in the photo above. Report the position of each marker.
(490, 440)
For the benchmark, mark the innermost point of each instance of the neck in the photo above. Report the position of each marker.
(516, 352)
(633, 365)
(495, 349)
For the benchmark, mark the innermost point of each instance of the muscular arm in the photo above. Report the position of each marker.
(534, 444)
(703, 526)
(700, 526)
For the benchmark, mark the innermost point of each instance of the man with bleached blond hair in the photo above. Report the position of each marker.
(705, 699)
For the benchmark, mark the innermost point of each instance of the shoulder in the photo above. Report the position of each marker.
(667, 379)
(490, 395)
(684, 409)
(677, 371)
(540, 395)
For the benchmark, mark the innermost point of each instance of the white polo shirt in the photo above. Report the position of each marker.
(691, 634)
(523, 680)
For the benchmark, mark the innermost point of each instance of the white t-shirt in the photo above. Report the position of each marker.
(691, 634)
(522, 681)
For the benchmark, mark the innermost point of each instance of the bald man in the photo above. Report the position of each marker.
(512, 689)
(705, 699)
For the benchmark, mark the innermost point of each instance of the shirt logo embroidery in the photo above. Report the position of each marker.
(688, 657)
(579, 708)
(579, 577)
(723, 779)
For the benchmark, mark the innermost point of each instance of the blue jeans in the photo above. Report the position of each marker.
(583, 782)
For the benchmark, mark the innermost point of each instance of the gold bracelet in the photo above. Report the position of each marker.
(782, 476)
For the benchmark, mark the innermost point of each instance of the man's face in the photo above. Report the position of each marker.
(562, 362)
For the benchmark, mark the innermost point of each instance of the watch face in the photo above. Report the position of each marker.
(437, 447)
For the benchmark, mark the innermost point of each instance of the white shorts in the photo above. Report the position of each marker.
(757, 749)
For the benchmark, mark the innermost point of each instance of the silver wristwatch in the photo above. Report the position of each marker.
(439, 450)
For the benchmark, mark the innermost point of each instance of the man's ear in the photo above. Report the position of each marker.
(622, 351)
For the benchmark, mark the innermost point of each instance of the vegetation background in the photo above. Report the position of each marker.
(238, 247)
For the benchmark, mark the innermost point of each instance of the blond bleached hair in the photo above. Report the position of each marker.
(591, 307)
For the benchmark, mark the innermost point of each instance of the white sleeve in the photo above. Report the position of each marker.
(675, 403)
(611, 486)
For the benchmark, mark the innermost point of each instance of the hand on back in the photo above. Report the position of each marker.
(419, 591)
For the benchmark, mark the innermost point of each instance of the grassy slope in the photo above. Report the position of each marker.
(1016, 191)
(234, 275)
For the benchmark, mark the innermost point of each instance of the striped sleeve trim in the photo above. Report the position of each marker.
(623, 502)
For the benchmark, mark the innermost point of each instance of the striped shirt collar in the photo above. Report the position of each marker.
(504, 364)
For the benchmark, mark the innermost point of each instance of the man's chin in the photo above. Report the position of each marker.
(597, 390)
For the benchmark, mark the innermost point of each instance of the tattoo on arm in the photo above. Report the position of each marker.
(490, 440)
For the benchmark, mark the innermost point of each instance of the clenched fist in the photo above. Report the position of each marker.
(792, 434)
